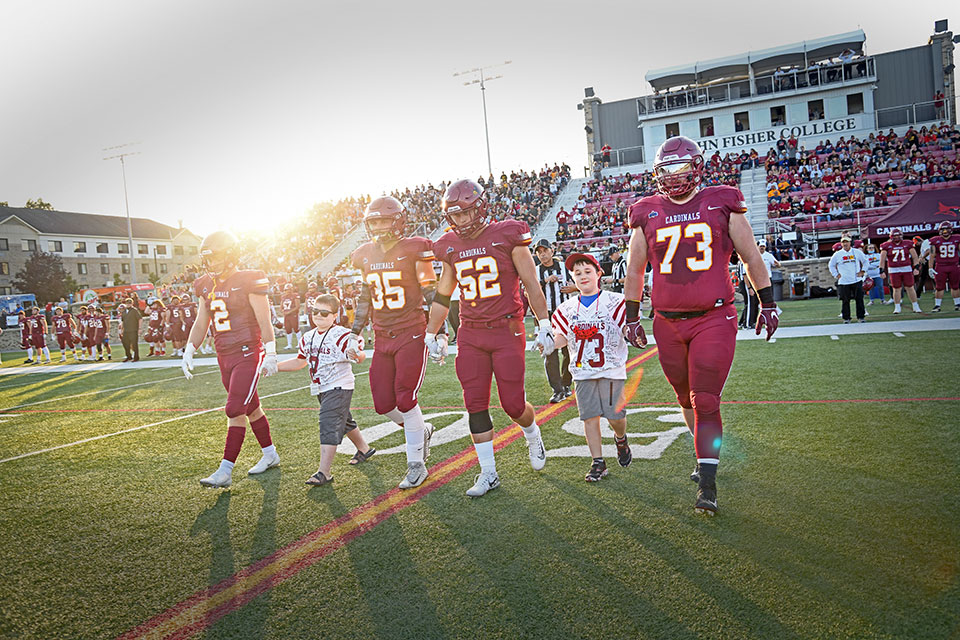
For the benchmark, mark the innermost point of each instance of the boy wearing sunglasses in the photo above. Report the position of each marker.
(324, 349)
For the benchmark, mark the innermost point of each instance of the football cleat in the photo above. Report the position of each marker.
(538, 455)
(597, 470)
(484, 482)
(557, 397)
(695, 476)
(936, 309)
(416, 474)
(706, 500)
(624, 455)
(220, 479)
(427, 434)
(567, 392)
(266, 462)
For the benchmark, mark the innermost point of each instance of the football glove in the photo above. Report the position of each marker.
(353, 347)
(933, 273)
(768, 317)
(186, 365)
(436, 347)
(634, 333)
(269, 366)
(544, 340)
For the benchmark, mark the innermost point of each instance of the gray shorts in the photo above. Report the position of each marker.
(599, 397)
(335, 418)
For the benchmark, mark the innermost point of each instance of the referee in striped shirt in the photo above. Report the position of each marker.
(618, 270)
(553, 280)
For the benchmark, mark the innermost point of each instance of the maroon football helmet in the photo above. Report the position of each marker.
(896, 235)
(678, 167)
(867, 285)
(946, 229)
(287, 287)
(219, 252)
(386, 207)
(462, 196)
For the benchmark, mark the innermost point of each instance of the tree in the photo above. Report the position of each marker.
(45, 277)
(118, 281)
(154, 279)
(4, 203)
(38, 204)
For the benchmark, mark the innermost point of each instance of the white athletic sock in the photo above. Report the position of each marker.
(956, 301)
(413, 433)
(299, 336)
(485, 456)
(46, 352)
(937, 301)
(395, 415)
(29, 353)
(269, 451)
(916, 306)
(531, 433)
(896, 307)
(226, 465)
(289, 341)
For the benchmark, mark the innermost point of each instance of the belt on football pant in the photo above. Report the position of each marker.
(490, 324)
(683, 315)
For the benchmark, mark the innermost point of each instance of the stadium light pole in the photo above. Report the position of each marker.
(482, 80)
(126, 202)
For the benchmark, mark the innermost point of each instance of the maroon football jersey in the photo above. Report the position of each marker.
(898, 253)
(24, 330)
(689, 247)
(189, 311)
(84, 321)
(156, 319)
(290, 304)
(234, 324)
(176, 315)
(395, 297)
(36, 325)
(946, 251)
(99, 326)
(488, 279)
(62, 324)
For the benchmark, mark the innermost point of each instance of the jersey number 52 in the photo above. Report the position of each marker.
(483, 282)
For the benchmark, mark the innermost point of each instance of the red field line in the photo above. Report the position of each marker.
(191, 616)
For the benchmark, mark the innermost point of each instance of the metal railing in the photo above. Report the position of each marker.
(624, 156)
(912, 114)
(820, 75)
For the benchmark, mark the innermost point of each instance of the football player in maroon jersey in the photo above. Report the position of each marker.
(309, 300)
(945, 264)
(397, 279)
(900, 260)
(487, 261)
(688, 234)
(83, 321)
(25, 336)
(38, 334)
(237, 305)
(175, 320)
(154, 333)
(188, 312)
(64, 326)
(290, 309)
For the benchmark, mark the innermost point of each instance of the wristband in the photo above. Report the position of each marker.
(442, 300)
(545, 324)
(633, 309)
(189, 350)
(766, 296)
(271, 347)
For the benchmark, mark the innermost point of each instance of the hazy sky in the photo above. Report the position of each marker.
(247, 113)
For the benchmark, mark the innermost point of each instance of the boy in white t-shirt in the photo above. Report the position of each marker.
(324, 349)
(591, 326)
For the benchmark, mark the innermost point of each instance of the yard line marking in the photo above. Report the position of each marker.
(90, 393)
(834, 337)
(205, 607)
(144, 426)
(898, 334)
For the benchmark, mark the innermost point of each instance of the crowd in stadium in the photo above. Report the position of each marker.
(834, 180)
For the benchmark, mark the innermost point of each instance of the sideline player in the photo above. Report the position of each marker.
(25, 342)
(310, 301)
(38, 334)
(397, 277)
(592, 324)
(64, 326)
(86, 342)
(945, 264)
(900, 260)
(236, 302)
(188, 312)
(488, 261)
(688, 234)
(154, 333)
(290, 308)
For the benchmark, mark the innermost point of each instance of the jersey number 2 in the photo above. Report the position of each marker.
(672, 235)
(221, 317)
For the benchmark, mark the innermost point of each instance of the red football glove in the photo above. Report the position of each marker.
(769, 317)
(635, 334)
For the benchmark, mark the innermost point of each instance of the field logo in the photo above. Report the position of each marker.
(459, 428)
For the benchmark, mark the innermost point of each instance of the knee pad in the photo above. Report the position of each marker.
(705, 403)
(235, 408)
(480, 422)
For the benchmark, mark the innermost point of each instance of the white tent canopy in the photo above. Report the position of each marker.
(798, 54)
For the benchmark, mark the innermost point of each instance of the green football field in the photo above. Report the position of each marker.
(837, 490)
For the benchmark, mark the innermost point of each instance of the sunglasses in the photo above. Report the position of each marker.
(323, 312)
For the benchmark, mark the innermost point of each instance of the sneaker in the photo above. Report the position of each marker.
(695, 476)
(846, 322)
(556, 397)
(870, 304)
(538, 455)
(110, 356)
(28, 361)
(861, 320)
(128, 359)
(427, 434)
(484, 482)
(63, 359)
(956, 307)
(219, 480)
(936, 309)
(890, 301)
(266, 462)
(597, 470)
(624, 455)
(416, 474)
(567, 392)
(896, 312)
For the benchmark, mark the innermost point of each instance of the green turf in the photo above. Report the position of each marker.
(837, 520)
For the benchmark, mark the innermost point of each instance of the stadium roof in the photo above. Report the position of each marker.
(765, 60)
(89, 224)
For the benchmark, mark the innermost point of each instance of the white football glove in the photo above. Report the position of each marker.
(933, 274)
(269, 366)
(544, 341)
(186, 365)
(436, 347)
(353, 347)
